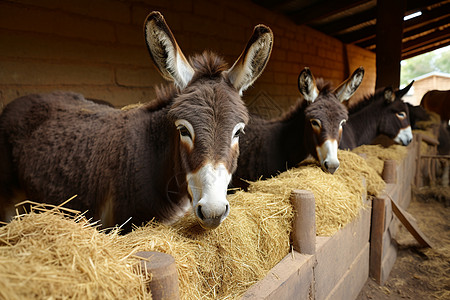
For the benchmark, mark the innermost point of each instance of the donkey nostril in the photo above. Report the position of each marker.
(227, 209)
(200, 213)
(326, 165)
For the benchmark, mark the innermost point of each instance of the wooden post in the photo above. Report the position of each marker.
(162, 270)
(389, 32)
(418, 177)
(304, 229)
(376, 237)
(389, 174)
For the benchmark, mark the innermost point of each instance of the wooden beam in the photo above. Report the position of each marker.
(428, 16)
(359, 36)
(427, 39)
(333, 28)
(408, 33)
(411, 225)
(275, 5)
(322, 9)
(389, 42)
(425, 49)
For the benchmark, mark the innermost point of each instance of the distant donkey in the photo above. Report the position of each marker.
(381, 113)
(143, 163)
(311, 127)
(438, 102)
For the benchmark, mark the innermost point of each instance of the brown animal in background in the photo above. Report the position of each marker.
(438, 102)
(312, 127)
(142, 163)
(381, 113)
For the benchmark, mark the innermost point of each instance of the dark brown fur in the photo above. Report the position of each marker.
(372, 116)
(438, 102)
(57, 145)
(269, 147)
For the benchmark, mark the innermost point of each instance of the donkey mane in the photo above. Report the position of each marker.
(207, 64)
(164, 97)
(366, 101)
(323, 86)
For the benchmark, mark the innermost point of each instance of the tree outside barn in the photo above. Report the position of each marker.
(430, 71)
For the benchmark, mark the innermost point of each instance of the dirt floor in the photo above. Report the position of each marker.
(419, 273)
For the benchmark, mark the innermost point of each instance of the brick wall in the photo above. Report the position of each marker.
(97, 48)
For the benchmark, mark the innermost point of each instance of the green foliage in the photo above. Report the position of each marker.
(438, 60)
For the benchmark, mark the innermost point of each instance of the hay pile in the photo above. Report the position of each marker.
(56, 256)
(225, 262)
(377, 154)
(338, 196)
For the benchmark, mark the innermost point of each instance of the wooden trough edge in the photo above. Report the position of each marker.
(324, 273)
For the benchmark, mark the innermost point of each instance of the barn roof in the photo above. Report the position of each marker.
(354, 21)
(434, 73)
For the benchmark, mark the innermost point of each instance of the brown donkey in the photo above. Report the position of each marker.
(312, 127)
(143, 163)
(381, 113)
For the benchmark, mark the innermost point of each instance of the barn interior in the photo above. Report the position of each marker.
(97, 48)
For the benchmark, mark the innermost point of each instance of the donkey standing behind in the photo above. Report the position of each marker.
(141, 163)
(381, 113)
(311, 127)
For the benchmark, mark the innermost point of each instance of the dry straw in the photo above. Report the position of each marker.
(51, 255)
(377, 154)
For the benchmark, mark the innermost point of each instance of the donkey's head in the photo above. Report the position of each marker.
(325, 115)
(208, 112)
(394, 120)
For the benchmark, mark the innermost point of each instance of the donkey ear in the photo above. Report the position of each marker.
(252, 61)
(165, 52)
(389, 95)
(400, 93)
(307, 85)
(346, 89)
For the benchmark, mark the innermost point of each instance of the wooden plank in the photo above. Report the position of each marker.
(388, 240)
(291, 278)
(388, 261)
(418, 177)
(333, 264)
(388, 215)
(394, 227)
(411, 225)
(354, 279)
(321, 10)
(376, 237)
(430, 140)
(425, 49)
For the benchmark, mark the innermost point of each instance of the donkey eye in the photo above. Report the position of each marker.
(342, 122)
(316, 123)
(184, 131)
(401, 115)
(237, 131)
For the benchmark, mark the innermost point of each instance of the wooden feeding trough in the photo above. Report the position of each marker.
(332, 265)
(335, 267)
(388, 211)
